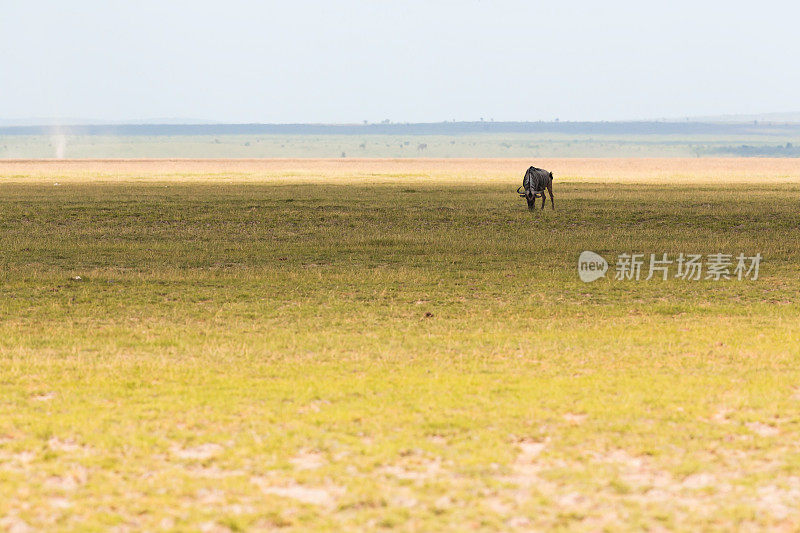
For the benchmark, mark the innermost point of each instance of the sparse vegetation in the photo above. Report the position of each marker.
(468, 145)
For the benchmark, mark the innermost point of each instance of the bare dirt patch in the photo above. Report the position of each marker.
(308, 460)
(321, 496)
(201, 452)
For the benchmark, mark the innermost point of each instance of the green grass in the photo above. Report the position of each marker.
(417, 356)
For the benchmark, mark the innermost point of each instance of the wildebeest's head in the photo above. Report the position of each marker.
(531, 198)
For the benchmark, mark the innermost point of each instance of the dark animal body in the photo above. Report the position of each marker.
(535, 182)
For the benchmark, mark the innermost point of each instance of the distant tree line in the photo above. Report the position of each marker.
(746, 150)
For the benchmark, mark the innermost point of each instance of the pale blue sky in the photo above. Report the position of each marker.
(408, 61)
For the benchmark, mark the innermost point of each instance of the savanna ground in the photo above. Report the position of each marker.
(401, 344)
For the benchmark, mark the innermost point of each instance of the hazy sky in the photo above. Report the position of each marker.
(407, 61)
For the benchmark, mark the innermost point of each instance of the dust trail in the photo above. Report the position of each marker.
(59, 142)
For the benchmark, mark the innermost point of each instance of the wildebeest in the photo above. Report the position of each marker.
(534, 183)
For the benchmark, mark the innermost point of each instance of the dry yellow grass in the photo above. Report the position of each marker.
(646, 170)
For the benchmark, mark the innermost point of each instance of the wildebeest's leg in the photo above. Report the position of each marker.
(544, 199)
(550, 191)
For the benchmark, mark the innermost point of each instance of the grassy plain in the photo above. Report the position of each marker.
(397, 146)
(232, 345)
